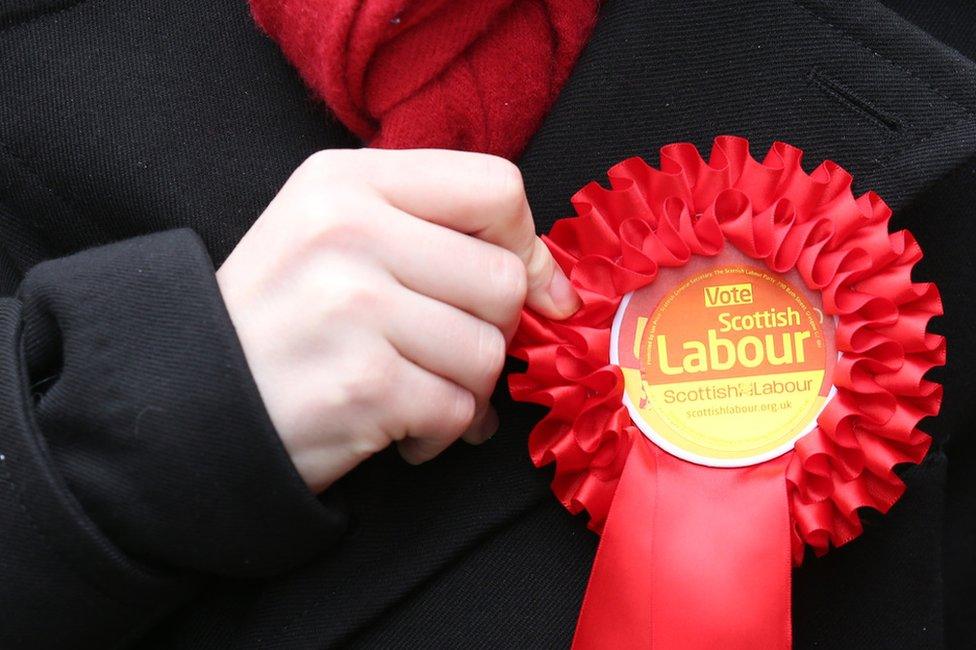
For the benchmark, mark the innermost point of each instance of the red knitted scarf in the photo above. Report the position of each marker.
(455, 74)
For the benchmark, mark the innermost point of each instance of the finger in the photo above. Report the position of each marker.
(467, 351)
(428, 412)
(477, 194)
(484, 427)
(447, 341)
(421, 449)
(482, 279)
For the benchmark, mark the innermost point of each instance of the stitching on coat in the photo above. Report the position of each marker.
(847, 36)
(937, 449)
(924, 138)
(853, 102)
(968, 114)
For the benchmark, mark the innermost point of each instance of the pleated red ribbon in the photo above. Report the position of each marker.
(700, 557)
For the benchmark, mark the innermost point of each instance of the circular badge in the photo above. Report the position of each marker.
(725, 363)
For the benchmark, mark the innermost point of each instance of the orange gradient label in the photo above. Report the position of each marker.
(725, 363)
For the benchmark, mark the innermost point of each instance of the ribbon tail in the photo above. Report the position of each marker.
(691, 558)
(616, 610)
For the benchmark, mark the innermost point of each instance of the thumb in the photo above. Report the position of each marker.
(549, 290)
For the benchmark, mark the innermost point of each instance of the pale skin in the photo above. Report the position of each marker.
(375, 296)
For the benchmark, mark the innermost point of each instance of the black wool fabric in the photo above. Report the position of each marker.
(951, 21)
(145, 500)
(953, 198)
(152, 374)
(122, 365)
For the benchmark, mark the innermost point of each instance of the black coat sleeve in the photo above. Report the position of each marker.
(136, 457)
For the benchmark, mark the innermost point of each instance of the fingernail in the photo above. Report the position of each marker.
(563, 295)
(491, 423)
(483, 428)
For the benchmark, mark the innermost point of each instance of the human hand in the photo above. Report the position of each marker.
(374, 298)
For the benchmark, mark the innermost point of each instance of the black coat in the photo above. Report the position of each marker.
(145, 499)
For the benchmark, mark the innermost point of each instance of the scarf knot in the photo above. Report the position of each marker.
(478, 76)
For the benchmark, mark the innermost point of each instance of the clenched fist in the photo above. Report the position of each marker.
(374, 298)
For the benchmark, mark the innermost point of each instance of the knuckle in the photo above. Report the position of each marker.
(357, 387)
(508, 277)
(459, 411)
(333, 227)
(491, 353)
(382, 373)
(353, 297)
(505, 183)
(328, 175)
(322, 224)
(331, 218)
(368, 441)
(538, 265)
(366, 380)
(329, 163)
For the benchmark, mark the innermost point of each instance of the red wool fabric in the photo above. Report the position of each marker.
(477, 76)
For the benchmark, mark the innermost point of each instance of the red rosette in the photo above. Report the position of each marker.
(774, 212)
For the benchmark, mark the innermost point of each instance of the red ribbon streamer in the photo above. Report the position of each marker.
(691, 557)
